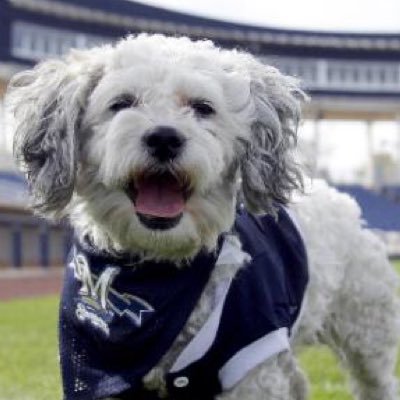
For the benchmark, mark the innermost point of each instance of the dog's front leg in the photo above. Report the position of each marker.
(276, 379)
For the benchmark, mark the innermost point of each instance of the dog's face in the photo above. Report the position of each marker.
(144, 144)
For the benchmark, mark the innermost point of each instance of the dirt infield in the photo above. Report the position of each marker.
(29, 282)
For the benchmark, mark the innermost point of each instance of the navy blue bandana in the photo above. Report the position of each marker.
(118, 318)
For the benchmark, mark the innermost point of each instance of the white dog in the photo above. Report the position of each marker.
(145, 146)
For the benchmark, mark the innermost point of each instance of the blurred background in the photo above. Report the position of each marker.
(346, 54)
(347, 58)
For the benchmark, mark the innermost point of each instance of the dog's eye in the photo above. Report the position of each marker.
(123, 102)
(202, 108)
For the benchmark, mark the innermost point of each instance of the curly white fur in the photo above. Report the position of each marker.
(79, 156)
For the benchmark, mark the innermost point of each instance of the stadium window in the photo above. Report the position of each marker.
(17, 38)
(34, 42)
(382, 74)
(329, 74)
(2, 124)
(286, 69)
(4, 129)
(396, 76)
(39, 45)
(300, 71)
(368, 75)
(342, 74)
(356, 74)
(335, 77)
(313, 73)
(362, 74)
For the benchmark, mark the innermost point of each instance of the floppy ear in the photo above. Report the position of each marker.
(47, 103)
(268, 169)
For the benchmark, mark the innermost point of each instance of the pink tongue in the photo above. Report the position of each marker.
(159, 197)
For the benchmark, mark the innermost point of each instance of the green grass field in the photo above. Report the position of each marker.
(29, 361)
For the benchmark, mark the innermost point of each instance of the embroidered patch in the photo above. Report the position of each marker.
(99, 303)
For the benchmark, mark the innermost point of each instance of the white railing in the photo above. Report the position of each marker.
(35, 42)
(341, 75)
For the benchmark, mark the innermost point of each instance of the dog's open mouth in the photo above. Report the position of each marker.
(159, 199)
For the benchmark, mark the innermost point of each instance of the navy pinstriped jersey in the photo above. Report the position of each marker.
(119, 316)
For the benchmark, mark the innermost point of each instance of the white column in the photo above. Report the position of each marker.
(316, 144)
(3, 136)
(322, 73)
(370, 179)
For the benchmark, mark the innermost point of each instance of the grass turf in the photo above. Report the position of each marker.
(28, 350)
(29, 359)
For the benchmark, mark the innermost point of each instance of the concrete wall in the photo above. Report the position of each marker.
(26, 240)
(5, 246)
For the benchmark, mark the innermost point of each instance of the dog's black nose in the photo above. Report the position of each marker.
(164, 143)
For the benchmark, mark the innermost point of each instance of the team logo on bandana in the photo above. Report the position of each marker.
(99, 303)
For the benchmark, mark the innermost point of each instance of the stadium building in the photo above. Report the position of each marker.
(350, 76)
